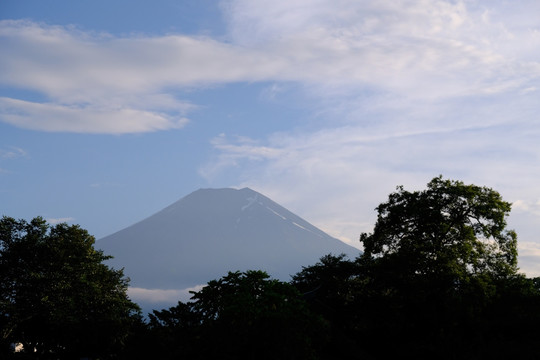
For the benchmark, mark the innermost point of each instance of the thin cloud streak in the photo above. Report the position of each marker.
(89, 119)
(12, 152)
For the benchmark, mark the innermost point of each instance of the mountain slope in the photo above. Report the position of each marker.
(212, 231)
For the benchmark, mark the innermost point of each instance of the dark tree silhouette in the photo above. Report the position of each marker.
(243, 315)
(438, 279)
(450, 230)
(57, 298)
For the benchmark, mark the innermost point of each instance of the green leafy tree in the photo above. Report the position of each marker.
(450, 230)
(57, 297)
(438, 279)
(331, 288)
(439, 266)
(243, 315)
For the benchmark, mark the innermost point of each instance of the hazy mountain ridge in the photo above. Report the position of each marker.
(212, 231)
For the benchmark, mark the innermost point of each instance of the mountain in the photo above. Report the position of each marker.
(212, 231)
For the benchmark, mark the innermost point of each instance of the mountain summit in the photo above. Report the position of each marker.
(212, 231)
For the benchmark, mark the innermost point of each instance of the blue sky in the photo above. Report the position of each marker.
(112, 110)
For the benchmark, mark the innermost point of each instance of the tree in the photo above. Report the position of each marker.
(57, 297)
(438, 279)
(243, 315)
(451, 230)
(439, 265)
(331, 287)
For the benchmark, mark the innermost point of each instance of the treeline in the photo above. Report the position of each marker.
(333, 311)
(438, 278)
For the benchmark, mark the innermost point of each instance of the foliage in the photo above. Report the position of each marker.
(243, 315)
(331, 288)
(450, 230)
(438, 264)
(438, 279)
(57, 297)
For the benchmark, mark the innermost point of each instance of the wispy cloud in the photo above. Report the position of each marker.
(406, 90)
(84, 119)
(530, 257)
(437, 48)
(170, 296)
(409, 49)
(237, 152)
(357, 167)
(12, 152)
(55, 221)
(529, 205)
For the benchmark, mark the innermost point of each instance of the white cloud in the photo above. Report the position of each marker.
(12, 152)
(435, 48)
(406, 49)
(87, 119)
(54, 221)
(101, 84)
(271, 92)
(408, 90)
(233, 154)
(529, 261)
(336, 177)
(161, 295)
(405, 90)
(530, 206)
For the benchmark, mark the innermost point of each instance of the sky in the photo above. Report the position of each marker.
(112, 110)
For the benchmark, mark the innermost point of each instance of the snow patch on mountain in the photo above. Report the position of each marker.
(303, 228)
(251, 200)
(278, 214)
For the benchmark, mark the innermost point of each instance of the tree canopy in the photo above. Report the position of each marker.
(438, 278)
(57, 298)
(243, 315)
(449, 229)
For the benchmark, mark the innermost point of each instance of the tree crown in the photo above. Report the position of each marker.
(449, 228)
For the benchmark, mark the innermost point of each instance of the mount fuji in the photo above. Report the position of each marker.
(212, 231)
